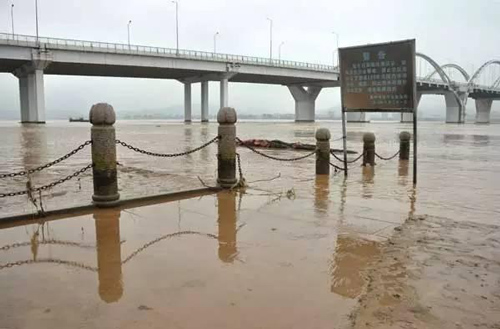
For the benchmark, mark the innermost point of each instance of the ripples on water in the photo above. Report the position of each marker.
(458, 164)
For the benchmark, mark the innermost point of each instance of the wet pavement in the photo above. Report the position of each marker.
(229, 260)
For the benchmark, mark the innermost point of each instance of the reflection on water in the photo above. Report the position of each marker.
(403, 168)
(227, 226)
(368, 173)
(109, 262)
(452, 138)
(301, 133)
(205, 153)
(481, 140)
(188, 140)
(321, 194)
(351, 258)
(34, 145)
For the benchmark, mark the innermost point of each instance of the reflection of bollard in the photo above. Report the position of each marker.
(227, 147)
(227, 226)
(102, 116)
(321, 192)
(369, 149)
(323, 151)
(109, 260)
(404, 145)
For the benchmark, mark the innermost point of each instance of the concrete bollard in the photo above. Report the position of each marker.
(369, 149)
(404, 145)
(102, 116)
(323, 152)
(226, 170)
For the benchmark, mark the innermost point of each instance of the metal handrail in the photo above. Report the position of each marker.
(46, 42)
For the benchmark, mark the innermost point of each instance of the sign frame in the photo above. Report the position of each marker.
(412, 89)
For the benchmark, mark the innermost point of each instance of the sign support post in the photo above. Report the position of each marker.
(344, 138)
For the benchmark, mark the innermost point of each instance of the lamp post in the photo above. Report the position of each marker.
(338, 58)
(12, 18)
(176, 24)
(270, 39)
(279, 50)
(215, 41)
(128, 33)
(36, 19)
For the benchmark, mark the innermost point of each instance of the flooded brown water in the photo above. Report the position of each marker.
(292, 251)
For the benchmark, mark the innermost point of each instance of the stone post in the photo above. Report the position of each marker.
(404, 145)
(369, 149)
(323, 151)
(102, 116)
(226, 170)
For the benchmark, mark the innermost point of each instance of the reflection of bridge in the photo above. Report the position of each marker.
(30, 58)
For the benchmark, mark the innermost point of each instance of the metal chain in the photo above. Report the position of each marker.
(350, 161)
(172, 155)
(275, 158)
(49, 260)
(337, 167)
(386, 159)
(48, 186)
(149, 244)
(50, 164)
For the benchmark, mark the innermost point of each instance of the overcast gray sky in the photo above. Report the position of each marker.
(459, 31)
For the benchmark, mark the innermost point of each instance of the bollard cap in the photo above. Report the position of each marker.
(323, 134)
(404, 136)
(102, 114)
(368, 137)
(227, 115)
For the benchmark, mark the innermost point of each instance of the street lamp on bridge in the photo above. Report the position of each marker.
(176, 24)
(128, 33)
(270, 39)
(215, 41)
(337, 51)
(36, 20)
(12, 18)
(279, 50)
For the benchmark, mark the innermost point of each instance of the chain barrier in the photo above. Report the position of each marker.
(386, 159)
(50, 164)
(337, 167)
(275, 158)
(350, 161)
(48, 186)
(163, 237)
(49, 260)
(162, 155)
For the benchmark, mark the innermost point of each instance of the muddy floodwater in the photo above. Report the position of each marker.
(292, 250)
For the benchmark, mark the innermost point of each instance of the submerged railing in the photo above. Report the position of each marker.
(229, 172)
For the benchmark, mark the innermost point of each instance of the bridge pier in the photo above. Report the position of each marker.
(305, 102)
(357, 117)
(204, 101)
(483, 110)
(455, 110)
(31, 91)
(187, 102)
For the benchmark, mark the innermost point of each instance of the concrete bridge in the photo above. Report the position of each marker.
(29, 58)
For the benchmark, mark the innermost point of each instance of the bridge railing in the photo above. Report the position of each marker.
(58, 43)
